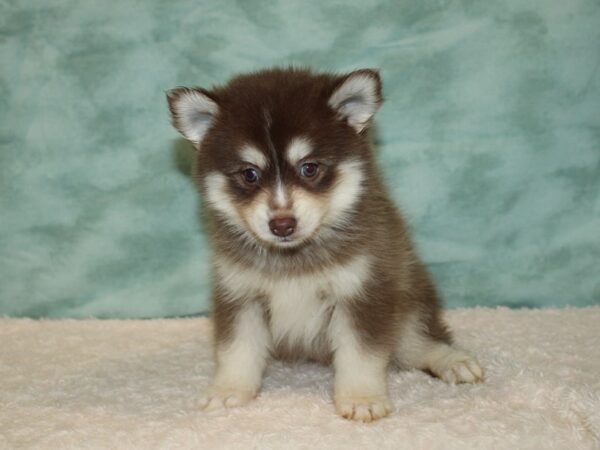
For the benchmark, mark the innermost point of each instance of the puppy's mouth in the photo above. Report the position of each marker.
(292, 241)
(289, 241)
(286, 241)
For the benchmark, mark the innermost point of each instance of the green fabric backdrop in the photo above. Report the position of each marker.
(489, 137)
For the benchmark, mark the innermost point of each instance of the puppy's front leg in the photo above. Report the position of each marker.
(360, 382)
(242, 348)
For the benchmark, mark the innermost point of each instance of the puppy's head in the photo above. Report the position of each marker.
(281, 154)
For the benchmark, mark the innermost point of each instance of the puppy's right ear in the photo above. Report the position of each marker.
(193, 111)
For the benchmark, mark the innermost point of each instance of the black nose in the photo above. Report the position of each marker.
(282, 226)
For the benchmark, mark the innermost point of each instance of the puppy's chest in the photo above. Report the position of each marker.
(299, 311)
(299, 306)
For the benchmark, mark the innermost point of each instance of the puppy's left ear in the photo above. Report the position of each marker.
(357, 98)
(193, 111)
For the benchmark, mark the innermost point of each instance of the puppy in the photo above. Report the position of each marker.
(311, 258)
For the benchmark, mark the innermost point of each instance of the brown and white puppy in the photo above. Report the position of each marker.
(311, 258)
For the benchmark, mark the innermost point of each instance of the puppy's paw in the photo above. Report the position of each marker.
(364, 409)
(457, 366)
(218, 397)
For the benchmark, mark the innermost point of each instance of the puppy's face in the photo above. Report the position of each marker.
(281, 153)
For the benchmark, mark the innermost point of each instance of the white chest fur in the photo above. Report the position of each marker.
(299, 305)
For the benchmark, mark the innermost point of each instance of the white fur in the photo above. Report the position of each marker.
(453, 365)
(356, 100)
(253, 156)
(298, 304)
(281, 198)
(216, 195)
(346, 192)
(360, 385)
(241, 362)
(194, 113)
(298, 149)
(259, 217)
(416, 350)
(309, 210)
(412, 343)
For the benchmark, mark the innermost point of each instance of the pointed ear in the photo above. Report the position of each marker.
(357, 98)
(192, 112)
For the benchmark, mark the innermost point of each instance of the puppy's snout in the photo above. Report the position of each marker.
(282, 226)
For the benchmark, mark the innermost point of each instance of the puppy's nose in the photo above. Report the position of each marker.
(282, 226)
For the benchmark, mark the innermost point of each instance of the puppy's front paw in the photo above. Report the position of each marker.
(457, 366)
(217, 397)
(364, 409)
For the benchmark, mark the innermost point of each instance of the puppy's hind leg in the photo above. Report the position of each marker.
(419, 348)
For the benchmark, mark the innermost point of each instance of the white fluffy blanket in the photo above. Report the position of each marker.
(132, 385)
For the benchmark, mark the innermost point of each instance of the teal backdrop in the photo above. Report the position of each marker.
(489, 139)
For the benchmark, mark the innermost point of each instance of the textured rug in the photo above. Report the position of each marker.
(133, 385)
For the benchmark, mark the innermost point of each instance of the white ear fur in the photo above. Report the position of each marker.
(192, 112)
(357, 98)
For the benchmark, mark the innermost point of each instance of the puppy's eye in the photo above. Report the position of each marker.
(309, 170)
(250, 175)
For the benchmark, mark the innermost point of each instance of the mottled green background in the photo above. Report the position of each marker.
(490, 139)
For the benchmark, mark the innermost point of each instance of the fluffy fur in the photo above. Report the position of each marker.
(311, 258)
